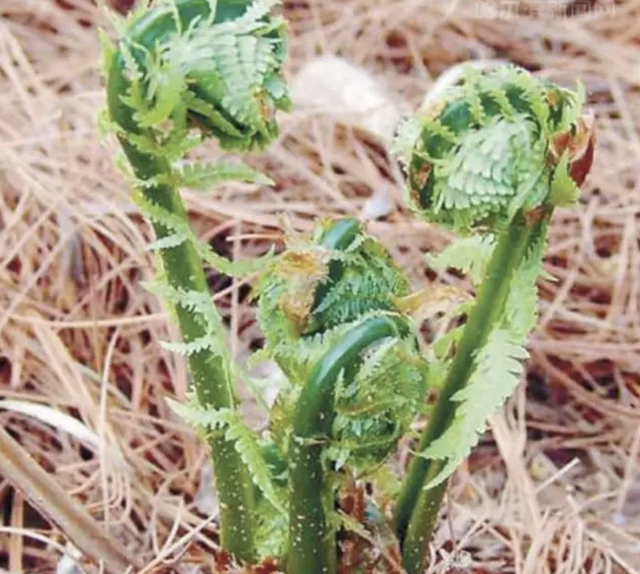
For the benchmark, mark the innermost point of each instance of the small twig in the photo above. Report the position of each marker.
(49, 498)
(27, 533)
(183, 541)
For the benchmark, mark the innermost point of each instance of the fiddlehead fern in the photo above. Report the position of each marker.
(495, 156)
(183, 71)
(492, 147)
(310, 297)
(328, 309)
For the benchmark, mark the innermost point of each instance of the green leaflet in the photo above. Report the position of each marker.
(238, 268)
(403, 144)
(564, 191)
(272, 536)
(182, 232)
(171, 147)
(498, 364)
(107, 51)
(572, 113)
(371, 413)
(468, 255)
(484, 176)
(308, 300)
(497, 372)
(521, 308)
(245, 442)
(204, 177)
(207, 315)
(165, 87)
(535, 96)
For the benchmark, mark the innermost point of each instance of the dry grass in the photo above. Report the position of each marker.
(557, 486)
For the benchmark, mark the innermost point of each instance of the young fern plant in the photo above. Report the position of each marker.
(492, 160)
(331, 311)
(183, 71)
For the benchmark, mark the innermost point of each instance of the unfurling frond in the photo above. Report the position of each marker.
(309, 299)
(220, 73)
(483, 151)
(491, 159)
(312, 289)
(564, 191)
(181, 72)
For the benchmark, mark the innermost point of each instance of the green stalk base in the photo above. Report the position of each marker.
(312, 537)
(417, 509)
(210, 380)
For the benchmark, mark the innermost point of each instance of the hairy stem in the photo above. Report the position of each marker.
(312, 537)
(184, 271)
(418, 507)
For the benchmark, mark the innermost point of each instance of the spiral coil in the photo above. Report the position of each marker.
(309, 300)
(491, 147)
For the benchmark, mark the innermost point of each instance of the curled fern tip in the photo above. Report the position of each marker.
(492, 146)
(214, 67)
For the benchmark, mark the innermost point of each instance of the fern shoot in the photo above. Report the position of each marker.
(183, 71)
(328, 309)
(491, 160)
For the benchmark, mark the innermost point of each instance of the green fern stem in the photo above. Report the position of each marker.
(339, 236)
(184, 272)
(210, 378)
(312, 536)
(418, 506)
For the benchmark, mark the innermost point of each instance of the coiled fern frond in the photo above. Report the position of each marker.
(495, 145)
(315, 293)
(321, 283)
(183, 71)
(212, 66)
